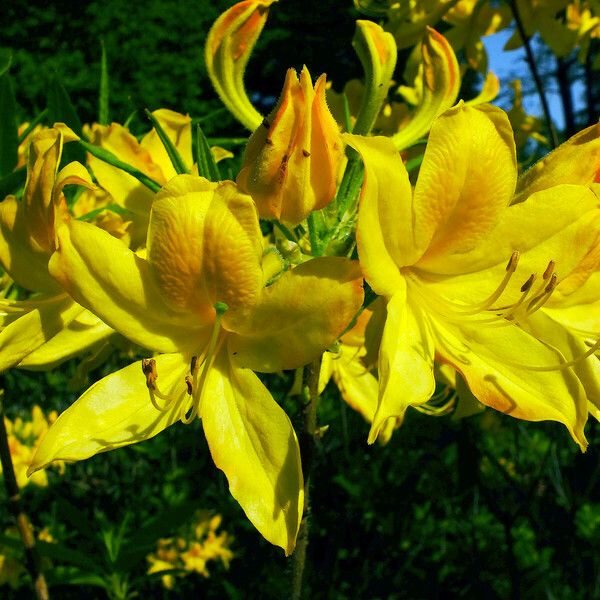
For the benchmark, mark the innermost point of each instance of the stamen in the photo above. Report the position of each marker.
(194, 365)
(211, 353)
(150, 371)
(539, 301)
(189, 384)
(549, 270)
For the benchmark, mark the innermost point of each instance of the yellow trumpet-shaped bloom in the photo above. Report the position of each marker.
(292, 160)
(27, 240)
(465, 273)
(198, 296)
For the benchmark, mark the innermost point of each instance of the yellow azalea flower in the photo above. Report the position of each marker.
(198, 297)
(292, 160)
(27, 240)
(465, 274)
(227, 51)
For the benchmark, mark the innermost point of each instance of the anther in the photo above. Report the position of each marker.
(269, 142)
(266, 124)
(305, 153)
(513, 261)
(193, 365)
(189, 384)
(551, 284)
(528, 284)
(149, 370)
(549, 270)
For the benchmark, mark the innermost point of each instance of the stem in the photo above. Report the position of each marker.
(32, 558)
(534, 72)
(590, 91)
(564, 87)
(307, 450)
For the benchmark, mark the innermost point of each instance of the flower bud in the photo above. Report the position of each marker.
(292, 160)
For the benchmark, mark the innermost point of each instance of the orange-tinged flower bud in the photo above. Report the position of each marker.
(292, 160)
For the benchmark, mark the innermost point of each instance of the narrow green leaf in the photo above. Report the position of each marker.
(224, 141)
(33, 125)
(413, 163)
(111, 159)
(347, 114)
(115, 208)
(207, 167)
(74, 576)
(12, 182)
(60, 107)
(9, 135)
(176, 160)
(61, 110)
(5, 60)
(103, 115)
(210, 116)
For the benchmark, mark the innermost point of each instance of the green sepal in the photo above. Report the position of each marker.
(176, 160)
(207, 166)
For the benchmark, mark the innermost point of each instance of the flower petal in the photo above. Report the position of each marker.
(298, 317)
(205, 245)
(252, 441)
(35, 327)
(576, 161)
(78, 336)
(466, 180)
(497, 362)
(102, 274)
(405, 362)
(385, 234)
(116, 411)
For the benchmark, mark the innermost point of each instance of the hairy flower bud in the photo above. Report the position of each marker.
(292, 160)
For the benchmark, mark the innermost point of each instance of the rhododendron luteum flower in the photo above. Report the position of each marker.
(292, 160)
(228, 47)
(198, 296)
(439, 255)
(27, 240)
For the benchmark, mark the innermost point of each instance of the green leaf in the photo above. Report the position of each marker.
(176, 160)
(103, 115)
(74, 576)
(111, 159)
(9, 136)
(12, 182)
(5, 60)
(207, 167)
(61, 110)
(60, 107)
(33, 125)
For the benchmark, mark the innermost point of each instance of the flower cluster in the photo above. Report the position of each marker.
(192, 550)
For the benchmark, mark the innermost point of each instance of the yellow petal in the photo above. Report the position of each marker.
(405, 362)
(252, 441)
(228, 47)
(116, 411)
(178, 128)
(27, 265)
(496, 364)
(126, 190)
(35, 327)
(205, 246)
(384, 235)
(466, 180)
(489, 90)
(298, 317)
(79, 335)
(576, 161)
(441, 83)
(102, 274)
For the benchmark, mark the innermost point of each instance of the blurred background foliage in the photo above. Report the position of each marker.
(484, 507)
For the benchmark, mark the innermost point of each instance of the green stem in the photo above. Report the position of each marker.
(535, 73)
(308, 437)
(33, 125)
(32, 558)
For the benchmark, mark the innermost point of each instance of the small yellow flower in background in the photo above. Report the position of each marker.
(292, 160)
(192, 550)
(24, 437)
(524, 125)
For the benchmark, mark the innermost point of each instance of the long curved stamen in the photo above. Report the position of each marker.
(211, 353)
(540, 300)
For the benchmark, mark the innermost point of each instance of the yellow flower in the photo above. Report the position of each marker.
(292, 160)
(439, 256)
(50, 327)
(198, 297)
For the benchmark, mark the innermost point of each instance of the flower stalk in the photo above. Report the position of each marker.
(32, 558)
